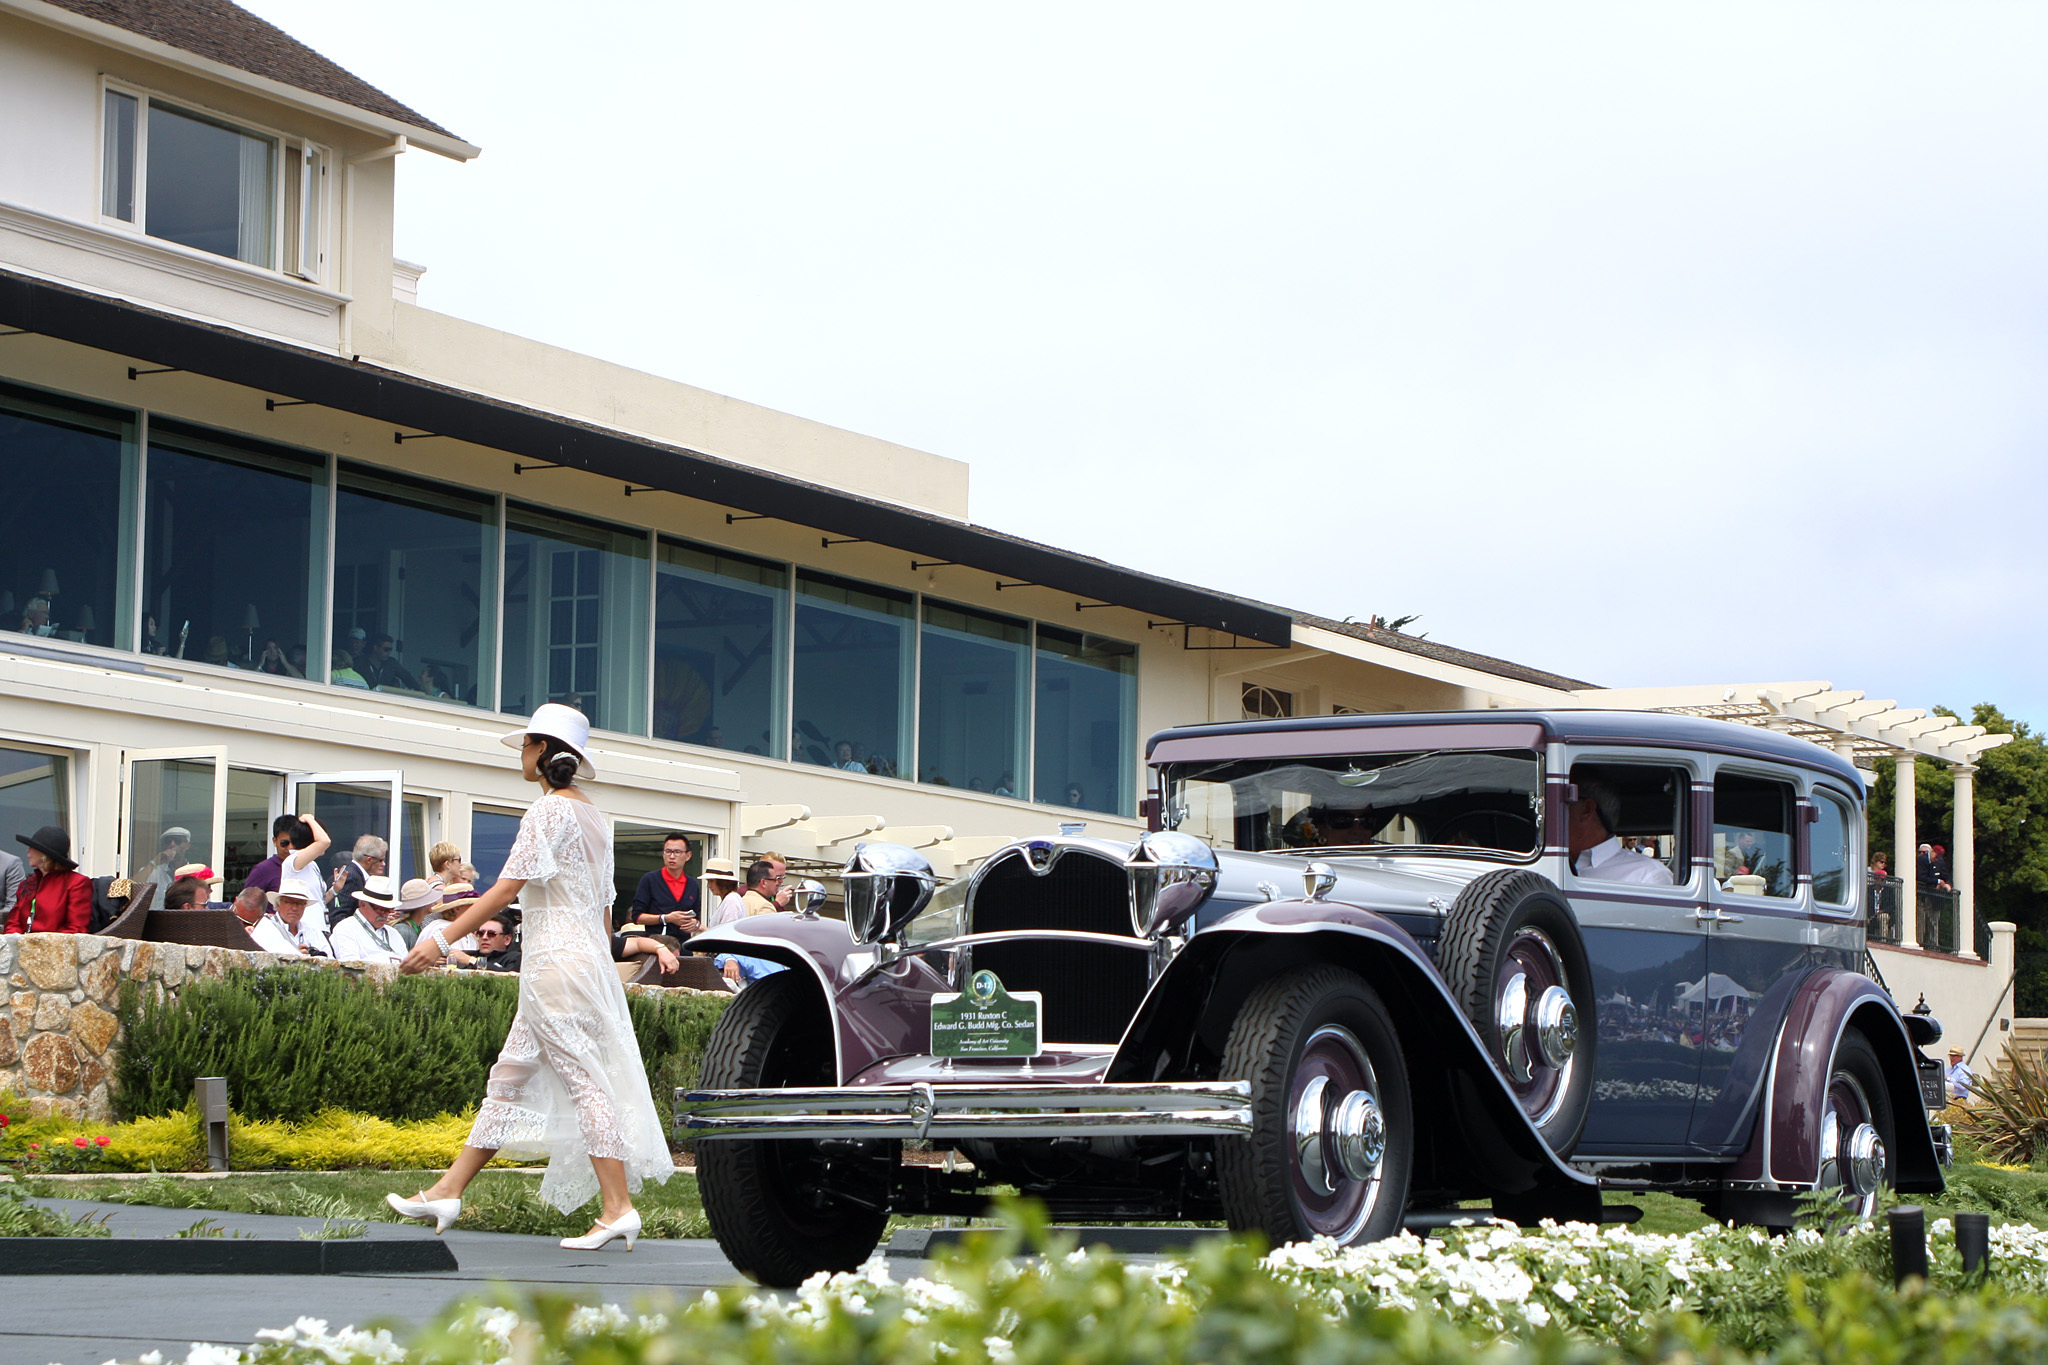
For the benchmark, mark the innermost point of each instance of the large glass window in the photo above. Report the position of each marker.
(251, 798)
(491, 833)
(210, 186)
(721, 650)
(1085, 755)
(413, 568)
(1753, 835)
(233, 533)
(855, 647)
(35, 790)
(636, 851)
(67, 478)
(972, 699)
(575, 619)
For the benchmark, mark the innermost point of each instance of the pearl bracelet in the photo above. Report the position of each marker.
(440, 937)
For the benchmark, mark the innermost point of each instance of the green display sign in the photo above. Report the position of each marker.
(986, 1021)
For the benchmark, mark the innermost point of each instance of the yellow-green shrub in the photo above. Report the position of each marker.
(332, 1139)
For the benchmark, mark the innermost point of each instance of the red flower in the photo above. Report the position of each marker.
(78, 1142)
(4, 1120)
(35, 1146)
(102, 1141)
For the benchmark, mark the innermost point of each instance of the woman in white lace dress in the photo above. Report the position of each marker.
(569, 1084)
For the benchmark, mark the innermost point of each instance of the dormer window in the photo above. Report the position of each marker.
(184, 176)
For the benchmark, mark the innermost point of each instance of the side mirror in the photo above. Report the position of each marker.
(887, 885)
(1171, 874)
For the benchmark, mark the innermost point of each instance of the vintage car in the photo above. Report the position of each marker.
(1363, 970)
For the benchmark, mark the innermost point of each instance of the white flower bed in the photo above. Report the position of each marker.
(1490, 1278)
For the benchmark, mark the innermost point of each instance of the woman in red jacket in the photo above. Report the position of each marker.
(54, 898)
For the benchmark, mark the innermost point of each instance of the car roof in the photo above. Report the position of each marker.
(1588, 726)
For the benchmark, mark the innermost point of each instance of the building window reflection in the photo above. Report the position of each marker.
(35, 790)
(855, 648)
(413, 564)
(721, 649)
(576, 618)
(67, 477)
(491, 833)
(973, 702)
(1086, 745)
(232, 534)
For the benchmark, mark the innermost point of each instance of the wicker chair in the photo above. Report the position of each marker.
(206, 928)
(131, 922)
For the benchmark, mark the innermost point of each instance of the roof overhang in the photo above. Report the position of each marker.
(338, 111)
(287, 371)
(1848, 722)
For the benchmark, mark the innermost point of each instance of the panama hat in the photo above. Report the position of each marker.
(414, 895)
(562, 723)
(53, 841)
(288, 894)
(199, 870)
(457, 893)
(719, 870)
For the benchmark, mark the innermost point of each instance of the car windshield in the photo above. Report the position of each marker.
(1445, 799)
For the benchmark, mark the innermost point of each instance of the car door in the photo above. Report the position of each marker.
(1767, 932)
(1646, 944)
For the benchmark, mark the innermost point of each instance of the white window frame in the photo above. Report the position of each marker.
(311, 194)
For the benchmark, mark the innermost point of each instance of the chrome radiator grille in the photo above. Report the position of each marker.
(1091, 991)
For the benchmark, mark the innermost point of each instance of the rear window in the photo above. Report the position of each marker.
(1753, 835)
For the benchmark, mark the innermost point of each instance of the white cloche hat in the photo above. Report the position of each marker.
(558, 722)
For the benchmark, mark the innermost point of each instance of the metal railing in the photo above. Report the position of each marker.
(1936, 921)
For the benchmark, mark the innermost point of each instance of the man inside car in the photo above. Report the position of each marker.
(1597, 852)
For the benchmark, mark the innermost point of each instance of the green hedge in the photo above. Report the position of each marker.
(293, 1043)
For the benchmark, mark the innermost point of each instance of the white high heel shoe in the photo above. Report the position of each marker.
(444, 1212)
(627, 1227)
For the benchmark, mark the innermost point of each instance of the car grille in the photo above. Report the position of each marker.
(1091, 991)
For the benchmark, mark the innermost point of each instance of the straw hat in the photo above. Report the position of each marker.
(719, 870)
(558, 722)
(416, 894)
(199, 870)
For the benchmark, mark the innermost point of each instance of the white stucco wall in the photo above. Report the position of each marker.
(1969, 997)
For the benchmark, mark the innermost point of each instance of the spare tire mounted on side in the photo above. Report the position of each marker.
(1516, 964)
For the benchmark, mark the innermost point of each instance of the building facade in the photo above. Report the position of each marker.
(282, 539)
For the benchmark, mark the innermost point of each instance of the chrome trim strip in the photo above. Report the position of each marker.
(1035, 935)
(965, 1111)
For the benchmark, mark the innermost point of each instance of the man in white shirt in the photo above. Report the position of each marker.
(1959, 1077)
(370, 933)
(286, 931)
(1596, 852)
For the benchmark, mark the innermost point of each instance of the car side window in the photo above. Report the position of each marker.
(1830, 851)
(1753, 835)
(1646, 804)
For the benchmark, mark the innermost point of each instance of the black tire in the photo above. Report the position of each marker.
(1314, 1015)
(1856, 1081)
(1513, 923)
(777, 1206)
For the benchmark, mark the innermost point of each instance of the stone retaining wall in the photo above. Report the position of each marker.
(59, 1048)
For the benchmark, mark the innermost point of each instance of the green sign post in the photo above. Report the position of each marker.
(986, 1021)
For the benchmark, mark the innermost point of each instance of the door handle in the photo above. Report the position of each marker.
(1710, 914)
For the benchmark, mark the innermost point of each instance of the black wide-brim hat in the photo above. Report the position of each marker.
(53, 841)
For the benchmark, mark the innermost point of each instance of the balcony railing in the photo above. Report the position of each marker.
(1937, 920)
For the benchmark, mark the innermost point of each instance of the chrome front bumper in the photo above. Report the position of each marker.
(925, 1110)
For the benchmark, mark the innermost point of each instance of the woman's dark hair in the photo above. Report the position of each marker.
(301, 836)
(558, 762)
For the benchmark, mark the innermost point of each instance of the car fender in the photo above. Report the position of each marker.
(1784, 1147)
(1470, 1129)
(892, 1019)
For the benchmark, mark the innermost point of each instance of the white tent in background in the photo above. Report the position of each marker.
(1715, 992)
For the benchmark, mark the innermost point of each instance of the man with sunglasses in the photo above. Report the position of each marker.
(497, 949)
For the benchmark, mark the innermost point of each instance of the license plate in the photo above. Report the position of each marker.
(986, 1021)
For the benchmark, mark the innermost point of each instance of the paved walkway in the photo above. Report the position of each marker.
(82, 1320)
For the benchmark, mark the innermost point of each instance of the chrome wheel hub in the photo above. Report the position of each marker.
(1336, 1133)
(1536, 1022)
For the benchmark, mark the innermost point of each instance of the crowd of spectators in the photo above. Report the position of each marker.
(362, 913)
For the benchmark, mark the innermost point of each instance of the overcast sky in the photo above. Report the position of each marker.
(1643, 344)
